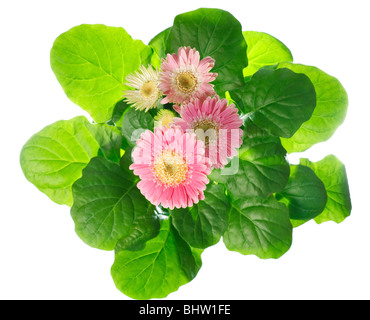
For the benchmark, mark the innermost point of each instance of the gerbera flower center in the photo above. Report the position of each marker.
(186, 82)
(170, 168)
(206, 130)
(149, 89)
(163, 118)
(145, 92)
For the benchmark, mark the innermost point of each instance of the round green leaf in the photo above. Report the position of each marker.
(166, 263)
(262, 167)
(91, 63)
(203, 224)
(304, 194)
(259, 226)
(135, 123)
(144, 228)
(119, 111)
(159, 44)
(278, 101)
(53, 159)
(264, 50)
(329, 114)
(333, 174)
(215, 33)
(108, 206)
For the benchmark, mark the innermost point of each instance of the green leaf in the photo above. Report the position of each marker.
(215, 33)
(126, 161)
(108, 205)
(262, 168)
(144, 228)
(203, 224)
(304, 194)
(333, 174)
(91, 63)
(264, 50)
(297, 223)
(53, 159)
(278, 101)
(119, 111)
(159, 44)
(135, 123)
(259, 226)
(109, 139)
(166, 263)
(329, 114)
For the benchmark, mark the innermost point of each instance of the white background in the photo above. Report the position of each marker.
(41, 257)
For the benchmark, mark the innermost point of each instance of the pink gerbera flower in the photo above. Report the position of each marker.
(172, 167)
(216, 124)
(185, 77)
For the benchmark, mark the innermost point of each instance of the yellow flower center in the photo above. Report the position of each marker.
(163, 118)
(149, 89)
(186, 82)
(170, 168)
(206, 130)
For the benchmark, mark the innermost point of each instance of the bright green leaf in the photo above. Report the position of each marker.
(259, 226)
(333, 174)
(278, 101)
(203, 224)
(329, 114)
(53, 159)
(262, 50)
(297, 223)
(108, 205)
(91, 63)
(215, 33)
(166, 263)
(304, 194)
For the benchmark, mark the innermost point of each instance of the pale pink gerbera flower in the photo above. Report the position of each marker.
(184, 76)
(216, 124)
(172, 167)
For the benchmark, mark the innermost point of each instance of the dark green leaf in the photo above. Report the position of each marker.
(259, 226)
(215, 33)
(159, 44)
(278, 101)
(125, 163)
(166, 263)
(135, 123)
(333, 174)
(263, 168)
(203, 224)
(108, 205)
(144, 228)
(119, 111)
(304, 194)
(109, 139)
